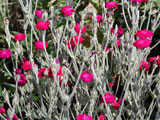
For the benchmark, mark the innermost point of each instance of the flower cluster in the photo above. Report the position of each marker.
(110, 98)
(143, 42)
(154, 60)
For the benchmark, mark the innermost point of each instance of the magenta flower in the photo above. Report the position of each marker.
(59, 73)
(111, 5)
(98, 17)
(2, 110)
(39, 45)
(86, 76)
(41, 72)
(77, 28)
(139, 1)
(38, 13)
(7, 118)
(152, 59)
(144, 65)
(42, 25)
(115, 105)
(18, 71)
(5, 53)
(109, 98)
(22, 81)
(144, 34)
(108, 49)
(142, 43)
(122, 99)
(73, 42)
(20, 37)
(119, 32)
(68, 10)
(14, 117)
(50, 73)
(102, 117)
(158, 61)
(83, 117)
(112, 84)
(118, 43)
(26, 65)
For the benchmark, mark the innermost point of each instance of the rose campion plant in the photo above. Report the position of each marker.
(68, 10)
(42, 25)
(5, 53)
(86, 76)
(39, 45)
(38, 13)
(144, 65)
(111, 5)
(19, 37)
(77, 28)
(84, 117)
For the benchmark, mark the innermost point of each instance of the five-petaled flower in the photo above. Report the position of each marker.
(5, 53)
(142, 43)
(42, 25)
(39, 45)
(77, 28)
(144, 65)
(68, 10)
(41, 72)
(38, 13)
(116, 105)
(26, 65)
(19, 37)
(84, 117)
(86, 76)
(22, 81)
(144, 33)
(102, 117)
(111, 5)
(109, 98)
(2, 110)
